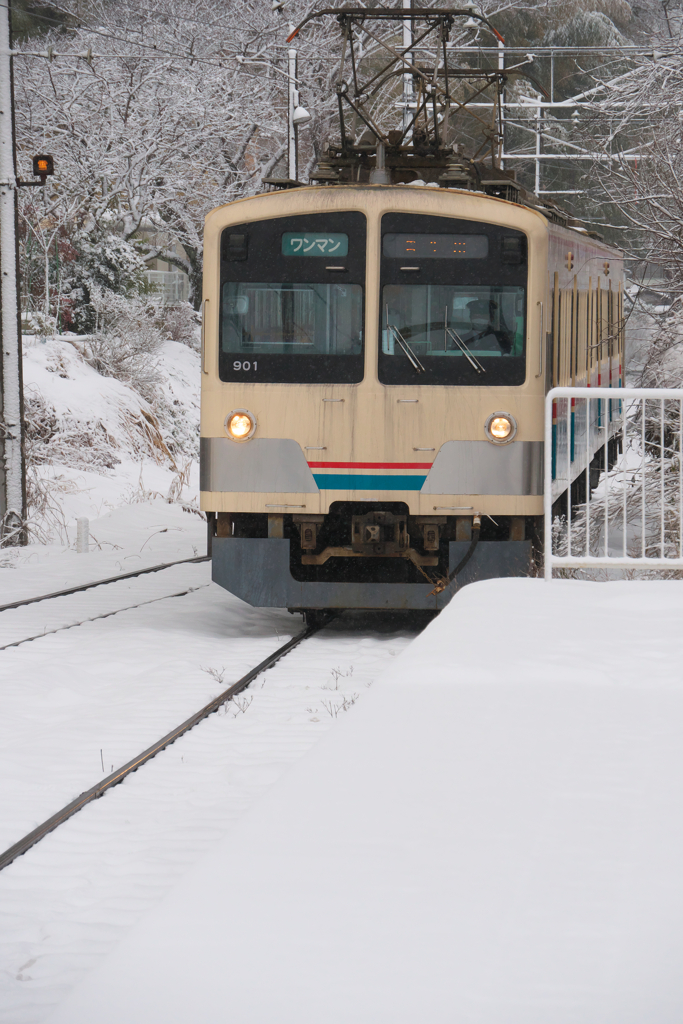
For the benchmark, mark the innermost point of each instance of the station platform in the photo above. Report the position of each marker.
(493, 834)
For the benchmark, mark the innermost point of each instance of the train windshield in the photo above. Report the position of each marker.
(453, 304)
(292, 300)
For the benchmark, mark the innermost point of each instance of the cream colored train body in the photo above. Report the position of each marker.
(360, 339)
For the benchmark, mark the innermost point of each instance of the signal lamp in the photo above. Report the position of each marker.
(240, 425)
(501, 427)
(43, 166)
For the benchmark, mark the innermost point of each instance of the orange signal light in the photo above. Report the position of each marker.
(43, 165)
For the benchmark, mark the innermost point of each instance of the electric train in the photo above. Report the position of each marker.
(374, 364)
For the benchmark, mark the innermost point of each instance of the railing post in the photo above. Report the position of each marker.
(12, 467)
(548, 490)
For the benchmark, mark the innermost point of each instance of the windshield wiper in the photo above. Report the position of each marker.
(448, 332)
(407, 350)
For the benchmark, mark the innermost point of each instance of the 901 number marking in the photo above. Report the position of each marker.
(246, 365)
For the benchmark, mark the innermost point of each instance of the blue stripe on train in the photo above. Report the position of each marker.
(362, 482)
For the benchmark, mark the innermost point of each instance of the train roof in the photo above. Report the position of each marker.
(518, 197)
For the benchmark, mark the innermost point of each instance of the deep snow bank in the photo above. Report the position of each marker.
(493, 836)
(94, 444)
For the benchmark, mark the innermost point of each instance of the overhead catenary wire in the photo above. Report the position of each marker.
(270, 54)
(153, 50)
(538, 50)
(244, 59)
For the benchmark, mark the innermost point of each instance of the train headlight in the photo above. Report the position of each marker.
(240, 425)
(501, 427)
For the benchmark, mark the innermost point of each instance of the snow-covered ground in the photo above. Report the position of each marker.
(94, 689)
(479, 825)
(76, 703)
(493, 834)
(131, 537)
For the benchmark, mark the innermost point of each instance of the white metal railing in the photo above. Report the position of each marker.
(172, 285)
(627, 507)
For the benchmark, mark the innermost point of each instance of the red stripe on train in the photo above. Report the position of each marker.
(370, 465)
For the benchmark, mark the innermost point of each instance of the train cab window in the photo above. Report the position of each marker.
(292, 300)
(453, 305)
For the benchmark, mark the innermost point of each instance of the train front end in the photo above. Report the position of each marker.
(372, 380)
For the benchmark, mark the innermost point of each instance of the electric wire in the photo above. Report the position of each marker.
(540, 51)
(445, 583)
(193, 58)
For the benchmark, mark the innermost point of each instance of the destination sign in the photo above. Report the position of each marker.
(315, 244)
(436, 246)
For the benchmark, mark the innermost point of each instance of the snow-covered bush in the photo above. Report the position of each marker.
(92, 438)
(105, 265)
(180, 323)
(53, 439)
(41, 324)
(126, 342)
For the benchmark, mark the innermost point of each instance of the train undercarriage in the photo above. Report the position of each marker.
(364, 555)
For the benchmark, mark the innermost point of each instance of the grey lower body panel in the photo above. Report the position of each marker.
(479, 467)
(264, 464)
(257, 571)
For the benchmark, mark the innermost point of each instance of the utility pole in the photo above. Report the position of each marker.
(501, 100)
(297, 117)
(12, 480)
(408, 94)
(539, 127)
(292, 155)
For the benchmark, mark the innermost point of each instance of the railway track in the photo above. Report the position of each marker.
(95, 792)
(124, 686)
(81, 620)
(102, 583)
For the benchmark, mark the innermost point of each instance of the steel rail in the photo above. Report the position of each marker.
(120, 774)
(102, 583)
(102, 615)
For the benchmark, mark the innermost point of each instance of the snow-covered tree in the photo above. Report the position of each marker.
(155, 115)
(167, 112)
